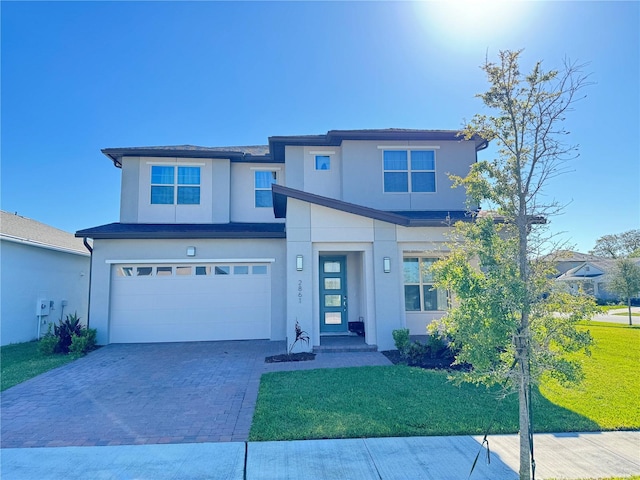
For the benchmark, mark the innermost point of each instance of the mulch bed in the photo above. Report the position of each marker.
(438, 363)
(294, 357)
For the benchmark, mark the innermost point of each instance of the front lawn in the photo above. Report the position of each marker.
(407, 401)
(22, 361)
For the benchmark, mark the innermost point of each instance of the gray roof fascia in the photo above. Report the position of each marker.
(116, 154)
(114, 231)
(281, 194)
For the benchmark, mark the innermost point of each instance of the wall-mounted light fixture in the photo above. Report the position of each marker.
(299, 263)
(191, 251)
(386, 264)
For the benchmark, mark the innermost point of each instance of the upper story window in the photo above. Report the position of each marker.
(263, 181)
(323, 162)
(173, 185)
(409, 171)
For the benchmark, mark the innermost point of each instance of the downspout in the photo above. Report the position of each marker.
(88, 247)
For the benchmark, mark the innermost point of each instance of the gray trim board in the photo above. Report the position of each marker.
(166, 231)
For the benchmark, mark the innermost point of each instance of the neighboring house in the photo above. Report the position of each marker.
(565, 260)
(44, 274)
(332, 231)
(592, 277)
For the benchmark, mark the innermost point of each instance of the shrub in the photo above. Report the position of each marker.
(48, 344)
(65, 331)
(436, 344)
(83, 343)
(402, 341)
(416, 352)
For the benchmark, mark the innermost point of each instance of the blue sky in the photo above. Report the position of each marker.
(81, 76)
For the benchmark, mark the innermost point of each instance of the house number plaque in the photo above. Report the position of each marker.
(299, 291)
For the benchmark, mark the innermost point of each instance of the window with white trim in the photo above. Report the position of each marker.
(419, 293)
(409, 171)
(174, 185)
(323, 162)
(263, 179)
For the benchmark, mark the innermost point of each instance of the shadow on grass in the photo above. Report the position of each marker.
(551, 418)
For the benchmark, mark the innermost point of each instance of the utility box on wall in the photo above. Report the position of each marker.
(43, 307)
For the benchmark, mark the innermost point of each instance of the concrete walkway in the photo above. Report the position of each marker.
(611, 316)
(566, 456)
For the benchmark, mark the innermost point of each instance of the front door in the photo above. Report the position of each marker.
(333, 294)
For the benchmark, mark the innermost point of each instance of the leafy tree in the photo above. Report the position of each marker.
(509, 323)
(626, 244)
(625, 281)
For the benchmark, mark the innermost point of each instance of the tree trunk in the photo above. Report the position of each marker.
(629, 305)
(522, 342)
(524, 414)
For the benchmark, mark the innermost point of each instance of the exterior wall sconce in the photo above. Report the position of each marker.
(299, 263)
(191, 251)
(386, 264)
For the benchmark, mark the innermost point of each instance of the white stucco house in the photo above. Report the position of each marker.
(327, 230)
(44, 275)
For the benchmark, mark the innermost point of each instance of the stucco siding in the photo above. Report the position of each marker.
(362, 176)
(130, 190)
(327, 183)
(294, 164)
(242, 202)
(136, 204)
(30, 273)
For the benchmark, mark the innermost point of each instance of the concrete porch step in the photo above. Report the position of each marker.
(341, 344)
(345, 349)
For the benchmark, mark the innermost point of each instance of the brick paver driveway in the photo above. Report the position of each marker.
(149, 393)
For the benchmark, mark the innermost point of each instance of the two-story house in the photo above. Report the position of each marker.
(332, 231)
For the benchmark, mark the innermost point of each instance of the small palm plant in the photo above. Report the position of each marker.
(301, 335)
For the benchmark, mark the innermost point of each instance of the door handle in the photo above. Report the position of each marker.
(344, 302)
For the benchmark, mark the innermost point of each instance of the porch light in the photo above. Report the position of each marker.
(299, 263)
(386, 264)
(191, 251)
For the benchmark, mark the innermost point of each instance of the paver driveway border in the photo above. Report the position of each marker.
(134, 394)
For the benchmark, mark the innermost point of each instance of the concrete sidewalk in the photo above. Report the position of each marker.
(567, 456)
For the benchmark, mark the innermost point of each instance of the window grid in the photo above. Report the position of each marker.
(409, 171)
(419, 292)
(263, 179)
(175, 185)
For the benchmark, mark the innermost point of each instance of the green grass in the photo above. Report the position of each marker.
(21, 361)
(626, 314)
(404, 401)
(609, 393)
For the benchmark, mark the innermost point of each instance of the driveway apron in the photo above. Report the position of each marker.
(129, 394)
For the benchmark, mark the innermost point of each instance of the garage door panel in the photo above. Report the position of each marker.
(190, 308)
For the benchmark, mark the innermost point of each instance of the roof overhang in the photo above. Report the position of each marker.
(235, 154)
(427, 218)
(186, 231)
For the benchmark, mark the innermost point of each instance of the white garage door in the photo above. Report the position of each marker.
(199, 302)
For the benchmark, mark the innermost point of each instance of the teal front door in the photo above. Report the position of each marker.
(333, 294)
